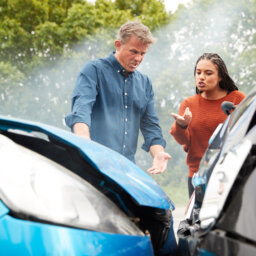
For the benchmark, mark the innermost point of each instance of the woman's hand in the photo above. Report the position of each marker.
(184, 120)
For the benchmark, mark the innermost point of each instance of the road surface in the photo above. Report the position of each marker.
(178, 215)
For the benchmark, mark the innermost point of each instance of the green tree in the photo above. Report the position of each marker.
(34, 33)
(151, 12)
(38, 38)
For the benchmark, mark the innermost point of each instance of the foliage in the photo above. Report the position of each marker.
(9, 75)
(40, 38)
(151, 13)
(34, 33)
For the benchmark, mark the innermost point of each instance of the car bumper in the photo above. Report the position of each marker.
(23, 237)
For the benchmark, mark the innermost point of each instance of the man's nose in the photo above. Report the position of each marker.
(138, 57)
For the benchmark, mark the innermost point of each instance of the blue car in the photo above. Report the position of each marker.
(63, 195)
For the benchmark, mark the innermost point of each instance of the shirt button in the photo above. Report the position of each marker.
(126, 106)
(125, 80)
(126, 120)
(123, 146)
(125, 133)
(125, 93)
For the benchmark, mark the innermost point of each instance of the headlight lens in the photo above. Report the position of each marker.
(33, 185)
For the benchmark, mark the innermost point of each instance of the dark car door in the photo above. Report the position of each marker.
(235, 231)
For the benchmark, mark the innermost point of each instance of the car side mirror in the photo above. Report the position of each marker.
(227, 107)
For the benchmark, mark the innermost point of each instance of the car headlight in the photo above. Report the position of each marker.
(32, 185)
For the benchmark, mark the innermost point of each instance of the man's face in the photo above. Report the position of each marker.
(131, 53)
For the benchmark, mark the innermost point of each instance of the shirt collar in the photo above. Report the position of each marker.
(119, 68)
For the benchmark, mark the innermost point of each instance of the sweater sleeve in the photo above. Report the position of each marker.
(181, 135)
(239, 97)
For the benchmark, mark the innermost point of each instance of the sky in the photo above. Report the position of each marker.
(171, 5)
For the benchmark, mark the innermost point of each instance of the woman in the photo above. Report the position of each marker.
(200, 114)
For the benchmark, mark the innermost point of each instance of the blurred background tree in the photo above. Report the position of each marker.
(45, 43)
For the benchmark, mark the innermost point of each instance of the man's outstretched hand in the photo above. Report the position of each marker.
(160, 161)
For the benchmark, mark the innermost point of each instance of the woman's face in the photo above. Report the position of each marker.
(207, 76)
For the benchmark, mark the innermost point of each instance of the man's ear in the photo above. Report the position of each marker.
(118, 44)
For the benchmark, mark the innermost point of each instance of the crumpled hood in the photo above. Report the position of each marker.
(137, 183)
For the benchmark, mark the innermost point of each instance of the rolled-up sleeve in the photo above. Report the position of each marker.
(149, 125)
(83, 97)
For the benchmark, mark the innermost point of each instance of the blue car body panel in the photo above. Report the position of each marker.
(126, 174)
(23, 237)
(3, 210)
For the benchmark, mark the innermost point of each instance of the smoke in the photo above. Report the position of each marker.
(218, 27)
(222, 27)
(227, 28)
(45, 95)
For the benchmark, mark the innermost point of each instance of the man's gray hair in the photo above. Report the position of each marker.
(137, 29)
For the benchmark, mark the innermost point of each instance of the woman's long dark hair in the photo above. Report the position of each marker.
(226, 82)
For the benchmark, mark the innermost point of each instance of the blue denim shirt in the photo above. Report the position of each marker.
(115, 107)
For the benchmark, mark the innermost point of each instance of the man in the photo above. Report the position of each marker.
(112, 100)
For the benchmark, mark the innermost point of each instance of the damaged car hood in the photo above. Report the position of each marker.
(137, 183)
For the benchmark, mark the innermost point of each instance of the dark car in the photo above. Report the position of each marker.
(220, 218)
(61, 194)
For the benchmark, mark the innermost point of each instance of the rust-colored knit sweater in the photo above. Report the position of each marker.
(206, 115)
